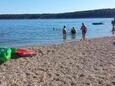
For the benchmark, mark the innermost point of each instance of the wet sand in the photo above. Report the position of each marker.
(78, 63)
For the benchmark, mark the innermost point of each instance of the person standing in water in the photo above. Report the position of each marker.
(113, 26)
(84, 31)
(73, 30)
(64, 32)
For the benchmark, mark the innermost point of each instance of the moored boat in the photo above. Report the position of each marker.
(97, 23)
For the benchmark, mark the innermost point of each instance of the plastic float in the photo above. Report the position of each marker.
(5, 54)
(25, 52)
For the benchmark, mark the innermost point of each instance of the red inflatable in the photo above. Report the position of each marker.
(24, 52)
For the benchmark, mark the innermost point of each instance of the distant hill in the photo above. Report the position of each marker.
(100, 13)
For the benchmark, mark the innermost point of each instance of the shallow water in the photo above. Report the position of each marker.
(15, 33)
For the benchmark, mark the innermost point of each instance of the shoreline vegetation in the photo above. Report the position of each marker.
(100, 13)
(77, 63)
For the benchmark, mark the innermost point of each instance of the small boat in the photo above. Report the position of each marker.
(98, 23)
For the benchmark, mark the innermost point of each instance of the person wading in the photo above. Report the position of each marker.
(113, 26)
(84, 31)
(64, 32)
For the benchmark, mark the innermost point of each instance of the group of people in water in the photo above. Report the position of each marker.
(73, 31)
(84, 30)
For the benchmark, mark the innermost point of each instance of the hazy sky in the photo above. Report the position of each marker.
(52, 6)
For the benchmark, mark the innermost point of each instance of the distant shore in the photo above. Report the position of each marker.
(78, 63)
(99, 13)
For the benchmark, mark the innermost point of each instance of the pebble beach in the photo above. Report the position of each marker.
(77, 63)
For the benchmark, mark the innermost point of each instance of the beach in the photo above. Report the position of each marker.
(77, 63)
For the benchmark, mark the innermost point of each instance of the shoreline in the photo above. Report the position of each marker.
(66, 42)
(77, 63)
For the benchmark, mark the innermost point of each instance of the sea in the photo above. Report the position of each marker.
(23, 32)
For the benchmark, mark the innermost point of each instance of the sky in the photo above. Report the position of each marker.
(51, 6)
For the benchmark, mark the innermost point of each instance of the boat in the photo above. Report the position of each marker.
(97, 23)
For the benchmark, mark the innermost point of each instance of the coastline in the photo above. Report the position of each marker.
(76, 63)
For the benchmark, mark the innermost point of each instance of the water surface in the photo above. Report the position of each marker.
(15, 33)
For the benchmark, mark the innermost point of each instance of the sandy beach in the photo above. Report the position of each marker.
(78, 63)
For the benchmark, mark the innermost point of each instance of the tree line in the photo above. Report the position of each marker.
(100, 13)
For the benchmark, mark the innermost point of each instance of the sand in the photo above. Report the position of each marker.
(78, 63)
